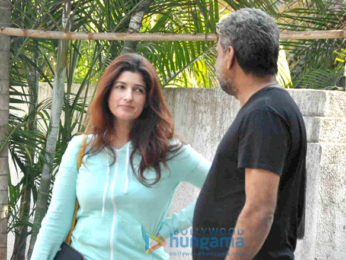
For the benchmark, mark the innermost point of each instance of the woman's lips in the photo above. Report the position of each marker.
(126, 106)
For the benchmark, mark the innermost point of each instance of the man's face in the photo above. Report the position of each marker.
(223, 72)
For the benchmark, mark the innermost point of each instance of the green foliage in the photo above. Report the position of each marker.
(341, 57)
(312, 61)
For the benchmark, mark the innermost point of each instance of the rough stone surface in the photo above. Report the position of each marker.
(307, 246)
(331, 223)
(312, 125)
(325, 129)
(336, 104)
(310, 102)
(333, 130)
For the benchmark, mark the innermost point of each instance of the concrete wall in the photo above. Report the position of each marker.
(201, 118)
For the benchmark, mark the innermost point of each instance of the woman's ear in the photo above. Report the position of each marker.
(230, 57)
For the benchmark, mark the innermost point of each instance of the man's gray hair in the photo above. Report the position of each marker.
(254, 36)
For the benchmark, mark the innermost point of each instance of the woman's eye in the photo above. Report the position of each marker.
(119, 86)
(139, 90)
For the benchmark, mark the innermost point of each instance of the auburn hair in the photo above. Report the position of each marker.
(152, 130)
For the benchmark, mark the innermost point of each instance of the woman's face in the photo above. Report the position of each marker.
(127, 98)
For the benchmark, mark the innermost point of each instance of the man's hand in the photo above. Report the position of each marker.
(256, 218)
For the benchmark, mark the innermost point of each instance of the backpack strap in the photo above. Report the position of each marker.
(79, 164)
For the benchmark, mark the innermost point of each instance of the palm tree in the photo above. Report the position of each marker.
(25, 199)
(135, 24)
(26, 141)
(312, 62)
(5, 41)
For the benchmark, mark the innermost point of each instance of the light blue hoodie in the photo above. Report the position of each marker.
(116, 210)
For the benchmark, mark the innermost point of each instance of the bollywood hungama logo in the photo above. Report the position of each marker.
(150, 238)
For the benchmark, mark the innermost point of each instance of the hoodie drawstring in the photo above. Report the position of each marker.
(127, 168)
(106, 187)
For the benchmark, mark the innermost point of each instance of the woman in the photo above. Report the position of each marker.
(131, 169)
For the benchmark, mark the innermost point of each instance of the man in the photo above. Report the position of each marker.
(255, 189)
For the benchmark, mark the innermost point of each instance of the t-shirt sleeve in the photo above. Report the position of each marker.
(57, 223)
(263, 142)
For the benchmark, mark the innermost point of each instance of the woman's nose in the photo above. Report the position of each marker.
(128, 94)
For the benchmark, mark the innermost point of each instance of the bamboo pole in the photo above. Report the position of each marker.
(313, 35)
(291, 35)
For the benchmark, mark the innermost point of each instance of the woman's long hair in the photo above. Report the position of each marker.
(151, 131)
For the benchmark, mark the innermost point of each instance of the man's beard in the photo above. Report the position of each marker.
(227, 85)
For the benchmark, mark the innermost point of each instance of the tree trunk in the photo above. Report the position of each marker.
(135, 25)
(20, 240)
(22, 234)
(5, 55)
(56, 109)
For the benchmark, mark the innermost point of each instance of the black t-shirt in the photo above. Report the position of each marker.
(268, 133)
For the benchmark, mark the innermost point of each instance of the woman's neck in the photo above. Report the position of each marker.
(122, 135)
